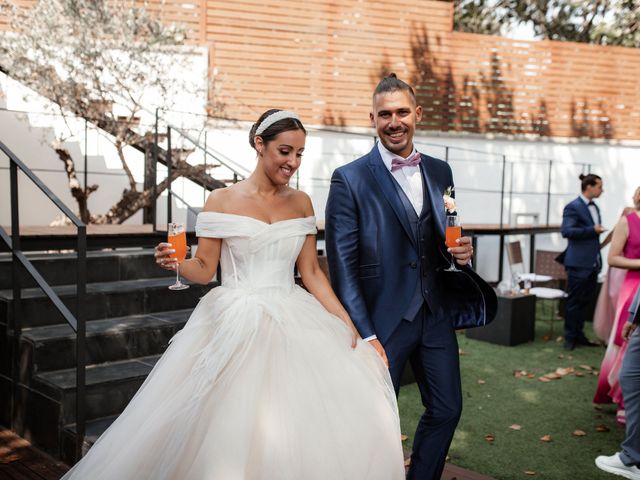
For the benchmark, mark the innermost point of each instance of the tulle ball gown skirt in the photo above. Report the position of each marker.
(260, 385)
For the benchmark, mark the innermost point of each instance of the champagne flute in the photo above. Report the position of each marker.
(452, 233)
(177, 237)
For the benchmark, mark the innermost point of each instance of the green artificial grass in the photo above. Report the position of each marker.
(495, 399)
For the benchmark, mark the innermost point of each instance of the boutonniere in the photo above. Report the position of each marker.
(449, 202)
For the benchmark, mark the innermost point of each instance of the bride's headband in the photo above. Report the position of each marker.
(275, 117)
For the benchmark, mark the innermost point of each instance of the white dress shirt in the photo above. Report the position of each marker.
(410, 180)
(592, 209)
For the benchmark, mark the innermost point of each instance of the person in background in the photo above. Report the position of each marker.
(625, 463)
(581, 226)
(605, 311)
(624, 253)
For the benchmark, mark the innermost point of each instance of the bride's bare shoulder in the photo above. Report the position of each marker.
(302, 201)
(218, 199)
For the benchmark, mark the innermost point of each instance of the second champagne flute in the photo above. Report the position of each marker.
(177, 237)
(452, 233)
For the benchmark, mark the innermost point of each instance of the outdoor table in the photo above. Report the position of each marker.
(478, 229)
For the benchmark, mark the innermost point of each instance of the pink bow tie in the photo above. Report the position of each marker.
(412, 161)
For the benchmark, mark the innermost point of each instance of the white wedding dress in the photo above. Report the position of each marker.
(261, 383)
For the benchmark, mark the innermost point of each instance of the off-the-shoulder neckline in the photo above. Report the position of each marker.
(257, 219)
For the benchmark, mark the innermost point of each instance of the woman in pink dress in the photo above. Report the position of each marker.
(605, 312)
(623, 253)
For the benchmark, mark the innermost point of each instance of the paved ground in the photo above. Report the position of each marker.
(19, 460)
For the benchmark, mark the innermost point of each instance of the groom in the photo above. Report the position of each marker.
(385, 225)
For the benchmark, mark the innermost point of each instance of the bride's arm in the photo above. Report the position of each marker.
(316, 281)
(317, 284)
(202, 267)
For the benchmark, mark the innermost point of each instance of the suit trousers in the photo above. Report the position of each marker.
(432, 348)
(630, 383)
(581, 287)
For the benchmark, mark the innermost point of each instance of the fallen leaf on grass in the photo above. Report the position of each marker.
(461, 352)
(552, 376)
(560, 339)
(544, 379)
(531, 375)
(546, 338)
(564, 371)
(578, 433)
(579, 374)
(586, 367)
(489, 438)
(520, 373)
(403, 437)
(515, 426)
(602, 428)
(481, 382)
(529, 472)
(545, 438)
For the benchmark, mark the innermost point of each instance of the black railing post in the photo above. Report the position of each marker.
(501, 247)
(15, 329)
(446, 154)
(549, 191)
(154, 204)
(150, 162)
(169, 218)
(86, 167)
(204, 189)
(504, 166)
(81, 361)
(510, 191)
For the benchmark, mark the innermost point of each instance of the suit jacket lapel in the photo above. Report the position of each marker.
(432, 194)
(383, 177)
(585, 210)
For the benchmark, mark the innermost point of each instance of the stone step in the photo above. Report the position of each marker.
(53, 347)
(109, 387)
(102, 266)
(93, 430)
(103, 300)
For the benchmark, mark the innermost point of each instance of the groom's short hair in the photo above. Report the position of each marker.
(391, 83)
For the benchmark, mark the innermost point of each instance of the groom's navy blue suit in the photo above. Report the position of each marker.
(386, 265)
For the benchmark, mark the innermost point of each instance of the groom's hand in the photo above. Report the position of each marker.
(375, 343)
(463, 252)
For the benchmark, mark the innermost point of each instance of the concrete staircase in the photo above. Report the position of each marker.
(131, 316)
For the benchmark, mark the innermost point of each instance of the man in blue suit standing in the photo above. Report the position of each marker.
(582, 226)
(385, 226)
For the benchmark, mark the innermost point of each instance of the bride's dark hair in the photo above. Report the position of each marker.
(272, 131)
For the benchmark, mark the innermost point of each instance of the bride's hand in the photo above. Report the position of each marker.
(355, 336)
(375, 343)
(162, 255)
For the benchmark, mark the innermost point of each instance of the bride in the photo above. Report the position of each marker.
(265, 381)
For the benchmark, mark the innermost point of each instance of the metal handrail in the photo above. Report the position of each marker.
(77, 321)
